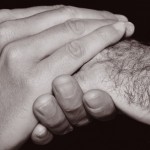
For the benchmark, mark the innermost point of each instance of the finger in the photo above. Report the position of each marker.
(129, 30)
(99, 104)
(45, 43)
(35, 24)
(121, 17)
(50, 115)
(69, 96)
(15, 29)
(41, 135)
(7, 14)
(80, 51)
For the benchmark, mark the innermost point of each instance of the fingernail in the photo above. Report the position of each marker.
(42, 101)
(43, 105)
(65, 87)
(95, 99)
(92, 103)
(41, 132)
(69, 129)
(43, 109)
(119, 26)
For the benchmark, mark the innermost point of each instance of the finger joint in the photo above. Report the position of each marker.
(75, 49)
(75, 26)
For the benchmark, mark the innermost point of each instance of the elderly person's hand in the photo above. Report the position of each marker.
(122, 71)
(78, 107)
(36, 46)
(74, 105)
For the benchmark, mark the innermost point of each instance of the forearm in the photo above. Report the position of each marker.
(123, 71)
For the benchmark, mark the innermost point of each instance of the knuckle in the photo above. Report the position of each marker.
(75, 26)
(75, 49)
(17, 68)
(12, 52)
(70, 11)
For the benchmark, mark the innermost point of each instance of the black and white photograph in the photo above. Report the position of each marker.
(74, 75)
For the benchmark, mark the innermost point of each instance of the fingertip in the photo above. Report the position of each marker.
(41, 135)
(130, 28)
(39, 131)
(93, 98)
(125, 28)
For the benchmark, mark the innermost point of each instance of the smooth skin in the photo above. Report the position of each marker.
(33, 52)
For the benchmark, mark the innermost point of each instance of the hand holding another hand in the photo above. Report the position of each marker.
(70, 104)
(39, 44)
(98, 104)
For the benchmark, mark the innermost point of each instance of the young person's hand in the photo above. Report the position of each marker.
(36, 49)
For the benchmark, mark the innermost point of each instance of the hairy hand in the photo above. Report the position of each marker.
(123, 72)
(73, 100)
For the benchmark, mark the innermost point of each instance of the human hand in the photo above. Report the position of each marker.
(29, 60)
(123, 72)
(104, 105)
(69, 105)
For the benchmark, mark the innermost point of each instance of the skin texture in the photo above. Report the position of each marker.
(71, 99)
(32, 56)
(123, 72)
